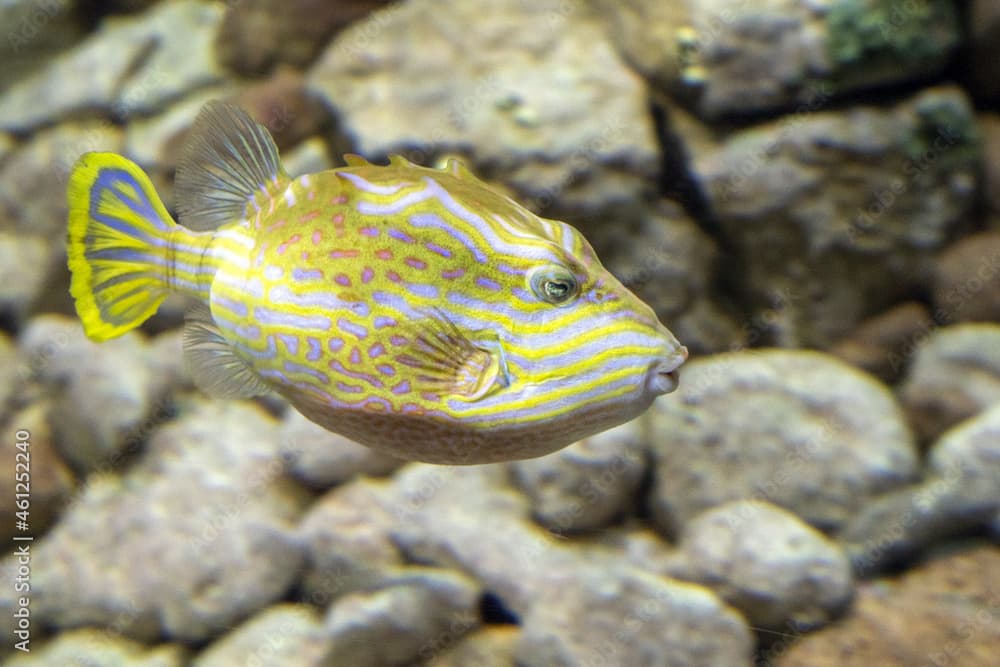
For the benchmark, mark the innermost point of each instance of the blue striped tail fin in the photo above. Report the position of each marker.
(119, 245)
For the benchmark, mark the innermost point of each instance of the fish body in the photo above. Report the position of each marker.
(413, 310)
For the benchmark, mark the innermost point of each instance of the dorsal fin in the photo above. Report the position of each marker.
(355, 160)
(214, 366)
(229, 159)
(396, 160)
(457, 167)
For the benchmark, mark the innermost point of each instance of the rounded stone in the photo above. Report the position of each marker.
(800, 429)
(954, 374)
(588, 484)
(767, 563)
(967, 280)
(969, 454)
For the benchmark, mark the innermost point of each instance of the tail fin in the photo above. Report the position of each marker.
(119, 233)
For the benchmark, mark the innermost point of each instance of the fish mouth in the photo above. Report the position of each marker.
(665, 374)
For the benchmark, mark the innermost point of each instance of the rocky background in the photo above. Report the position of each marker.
(807, 191)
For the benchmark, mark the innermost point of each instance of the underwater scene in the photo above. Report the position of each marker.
(500, 333)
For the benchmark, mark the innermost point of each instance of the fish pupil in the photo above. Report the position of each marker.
(554, 284)
(557, 289)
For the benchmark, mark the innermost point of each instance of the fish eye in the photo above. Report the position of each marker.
(553, 284)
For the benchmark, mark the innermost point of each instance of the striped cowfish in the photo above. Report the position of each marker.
(414, 310)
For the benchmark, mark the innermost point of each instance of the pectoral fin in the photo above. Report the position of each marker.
(447, 362)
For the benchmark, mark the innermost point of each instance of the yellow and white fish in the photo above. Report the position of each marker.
(413, 310)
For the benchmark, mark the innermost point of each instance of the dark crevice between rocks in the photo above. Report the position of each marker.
(961, 67)
(494, 612)
(9, 322)
(824, 95)
(679, 183)
(163, 411)
(958, 68)
(90, 13)
(644, 490)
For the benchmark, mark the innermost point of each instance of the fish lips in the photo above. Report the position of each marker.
(664, 374)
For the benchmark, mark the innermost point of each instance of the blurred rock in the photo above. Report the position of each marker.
(471, 519)
(156, 142)
(90, 647)
(833, 216)
(942, 613)
(284, 106)
(631, 618)
(761, 559)
(180, 58)
(307, 158)
(323, 459)
(33, 177)
(409, 620)
(7, 144)
(535, 93)
(799, 429)
(25, 266)
(490, 646)
(130, 65)
(635, 545)
(785, 45)
(281, 103)
(103, 394)
(708, 326)
(165, 357)
(649, 36)
(669, 262)
(984, 53)
(989, 126)
(588, 484)
(48, 481)
(33, 33)
(970, 452)
(33, 211)
(13, 373)
(939, 391)
(882, 344)
(735, 57)
(126, 6)
(285, 634)
(347, 537)
(205, 512)
(257, 34)
(898, 527)
(967, 280)
(170, 315)
(877, 43)
(968, 456)
(468, 519)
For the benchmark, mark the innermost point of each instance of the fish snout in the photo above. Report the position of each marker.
(664, 374)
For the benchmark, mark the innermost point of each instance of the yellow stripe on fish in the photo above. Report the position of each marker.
(414, 310)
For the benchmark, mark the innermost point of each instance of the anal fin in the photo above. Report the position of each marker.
(214, 366)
